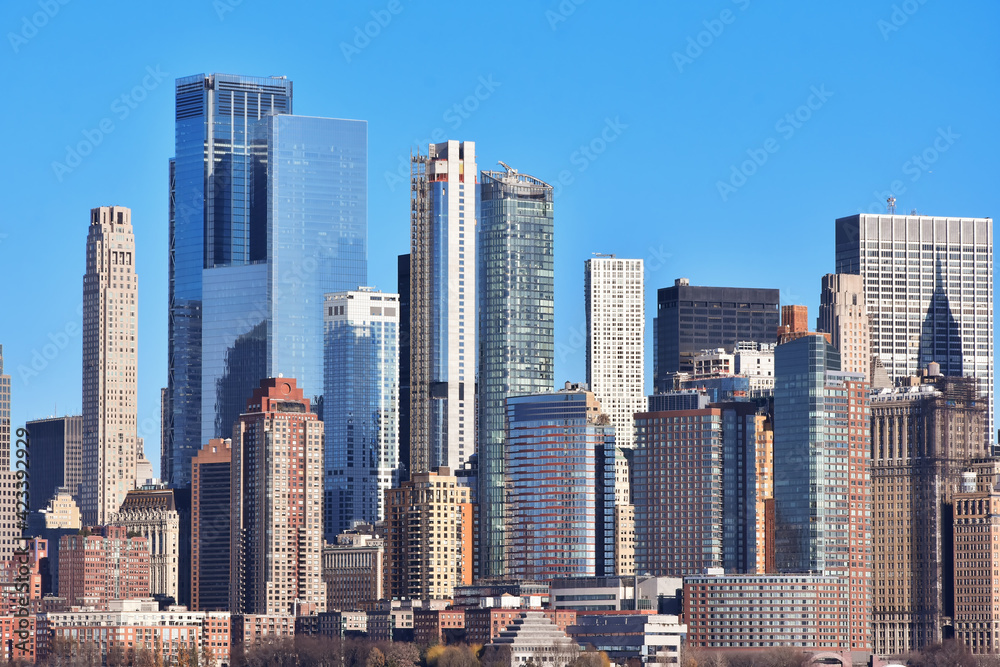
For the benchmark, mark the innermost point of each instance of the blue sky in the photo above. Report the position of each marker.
(639, 112)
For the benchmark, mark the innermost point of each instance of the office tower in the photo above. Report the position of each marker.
(690, 318)
(560, 471)
(361, 458)
(166, 429)
(4, 416)
(976, 544)
(924, 437)
(929, 290)
(843, 314)
(277, 503)
(403, 288)
(11, 504)
(353, 568)
(55, 457)
(268, 213)
(211, 473)
(516, 327)
(616, 326)
(152, 514)
(696, 483)
(443, 306)
(103, 564)
(110, 325)
(429, 537)
(822, 472)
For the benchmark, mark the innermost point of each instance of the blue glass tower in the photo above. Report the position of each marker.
(268, 212)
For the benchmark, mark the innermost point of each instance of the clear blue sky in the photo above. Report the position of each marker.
(666, 119)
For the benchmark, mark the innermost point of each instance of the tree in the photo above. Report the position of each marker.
(948, 654)
(375, 658)
(116, 656)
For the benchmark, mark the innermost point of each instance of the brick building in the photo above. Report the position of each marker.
(103, 565)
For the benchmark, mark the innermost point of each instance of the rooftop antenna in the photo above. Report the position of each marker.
(891, 205)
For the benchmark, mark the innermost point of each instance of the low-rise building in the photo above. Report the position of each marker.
(655, 594)
(534, 637)
(652, 638)
(352, 568)
(249, 629)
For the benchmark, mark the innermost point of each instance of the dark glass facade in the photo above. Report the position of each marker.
(403, 288)
(691, 318)
(516, 328)
(55, 458)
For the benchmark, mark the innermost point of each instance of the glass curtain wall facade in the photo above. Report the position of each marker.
(210, 225)
(560, 469)
(516, 328)
(928, 285)
(361, 453)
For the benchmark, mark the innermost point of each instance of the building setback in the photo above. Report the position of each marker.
(361, 389)
(843, 313)
(924, 437)
(211, 504)
(277, 503)
(560, 486)
(443, 306)
(516, 328)
(691, 318)
(110, 292)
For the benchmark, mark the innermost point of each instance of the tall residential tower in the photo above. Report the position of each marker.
(516, 328)
(443, 306)
(110, 328)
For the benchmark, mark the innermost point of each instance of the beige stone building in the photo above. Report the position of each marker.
(844, 315)
(62, 511)
(977, 559)
(153, 514)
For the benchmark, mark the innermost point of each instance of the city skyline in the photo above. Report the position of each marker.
(838, 161)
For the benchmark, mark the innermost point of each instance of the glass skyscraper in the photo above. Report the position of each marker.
(268, 213)
(516, 324)
(361, 453)
(560, 469)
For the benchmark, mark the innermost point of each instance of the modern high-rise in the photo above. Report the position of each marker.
(929, 290)
(110, 364)
(696, 481)
(843, 314)
(403, 288)
(361, 422)
(692, 318)
(211, 480)
(516, 328)
(276, 538)
(56, 451)
(822, 474)
(429, 537)
(443, 306)
(924, 437)
(268, 213)
(616, 325)
(560, 472)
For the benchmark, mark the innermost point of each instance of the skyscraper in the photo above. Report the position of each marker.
(929, 290)
(403, 287)
(56, 453)
(277, 503)
(822, 473)
(4, 416)
(360, 418)
(516, 328)
(560, 471)
(11, 502)
(110, 327)
(924, 437)
(269, 213)
(616, 326)
(211, 504)
(442, 306)
(844, 315)
(692, 318)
